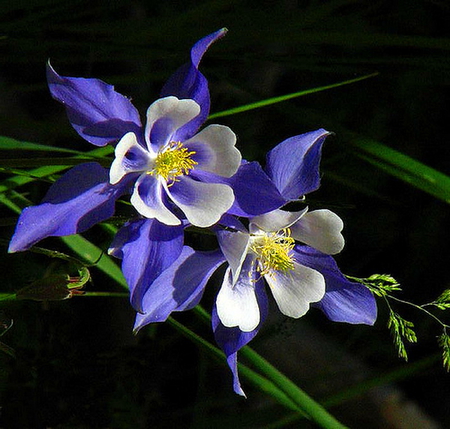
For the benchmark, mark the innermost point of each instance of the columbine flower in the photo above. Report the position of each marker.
(268, 250)
(293, 166)
(168, 165)
(86, 194)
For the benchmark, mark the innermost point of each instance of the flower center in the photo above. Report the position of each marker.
(172, 161)
(273, 251)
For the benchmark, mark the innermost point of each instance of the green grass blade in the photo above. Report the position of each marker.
(37, 162)
(305, 403)
(403, 167)
(281, 98)
(44, 171)
(7, 143)
(256, 379)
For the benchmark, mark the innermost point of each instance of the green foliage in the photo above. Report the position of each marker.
(401, 329)
(379, 284)
(444, 343)
(443, 301)
(383, 285)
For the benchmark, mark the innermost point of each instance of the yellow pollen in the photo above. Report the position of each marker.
(273, 251)
(172, 161)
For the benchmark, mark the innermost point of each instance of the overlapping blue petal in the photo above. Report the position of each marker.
(147, 247)
(293, 165)
(78, 200)
(254, 192)
(180, 287)
(98, 113)
(344, 301)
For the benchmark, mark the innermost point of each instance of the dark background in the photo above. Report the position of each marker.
(77, 363)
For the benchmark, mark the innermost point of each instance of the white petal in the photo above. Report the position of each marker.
(215, 146)
(276, 220)
(237, 305)
(234, 246)
(296, 289)
(320, 229)
(202, 203)
(177, 112)
(121, 165)
(147, 200)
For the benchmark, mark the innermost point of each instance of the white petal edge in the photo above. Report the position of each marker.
(234, 246)
(276, 220)
(210, 201)
(224, 157)
(180, 112)
(117, 170)
(320, 229)
(159, 211)
(237, 305)
(296, 289)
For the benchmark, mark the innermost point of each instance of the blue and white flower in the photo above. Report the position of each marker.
(158, 157)
(167, 165)
(267, 250)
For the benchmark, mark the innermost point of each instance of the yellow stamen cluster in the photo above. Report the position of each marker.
(172, 161)
(273, 251)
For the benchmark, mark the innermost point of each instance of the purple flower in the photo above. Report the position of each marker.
(167, 165)
(267, 250)
(299, 275)
(295, 176)
(86, 194)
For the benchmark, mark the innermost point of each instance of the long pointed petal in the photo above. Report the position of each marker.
(147, 247)
(293, 165)
(231, 340)
(78, 200)
(98, 113)
(180, 287)
(189, 82)
(344, 301)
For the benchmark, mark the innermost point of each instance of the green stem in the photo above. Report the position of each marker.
(421, 308)
(108, 294)
(306, 404)
(315, 411)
